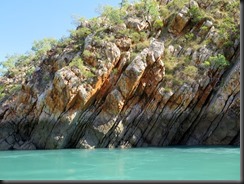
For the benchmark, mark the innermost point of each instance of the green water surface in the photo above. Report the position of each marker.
(170, 163)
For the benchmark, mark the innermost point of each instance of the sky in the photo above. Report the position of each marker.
(23, 21)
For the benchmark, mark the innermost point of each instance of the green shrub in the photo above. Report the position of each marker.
(124, 33)
(15, 88)
(227, 27)
(87, 54)
(133, 56)
(164, 12)
(46, 78)
(115, 71)
(169, 77)
(233, 7)
(63, 42)
(204, 28)
(141, 45)
(206, 64)
(189, 36)
(187, 59)
(80, 33)
(143, 36)
(135, 37)
(190, 71)
(124, 4)
(206, 41)
(97, 40)
(77, 20)
(196, 14)
(2, 88)
(78, 62)
(138, 6)
(218, 61)
(158, 24)
(177, 81)
(228, 43)
(110, 38)
(10, 61)
(30, 71)
(176, 4)
(2, 94)
(95, 24)
(114, 15)
(151, 8)
(40, 47)
(167, 89)
(169, 63)
(14, 62)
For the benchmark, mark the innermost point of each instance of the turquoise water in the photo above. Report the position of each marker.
(171, 163)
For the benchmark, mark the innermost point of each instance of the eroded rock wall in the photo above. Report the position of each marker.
(126, 103)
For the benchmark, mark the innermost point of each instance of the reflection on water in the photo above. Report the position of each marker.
(170, 163)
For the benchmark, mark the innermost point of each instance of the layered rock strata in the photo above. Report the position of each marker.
(126, 103)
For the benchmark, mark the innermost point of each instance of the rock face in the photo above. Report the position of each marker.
(126, 103)
(180, 21)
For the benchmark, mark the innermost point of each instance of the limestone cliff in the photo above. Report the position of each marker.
(149, 80)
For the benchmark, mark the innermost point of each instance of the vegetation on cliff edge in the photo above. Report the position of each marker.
(213, 26)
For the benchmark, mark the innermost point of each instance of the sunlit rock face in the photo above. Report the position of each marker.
(127, 93)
